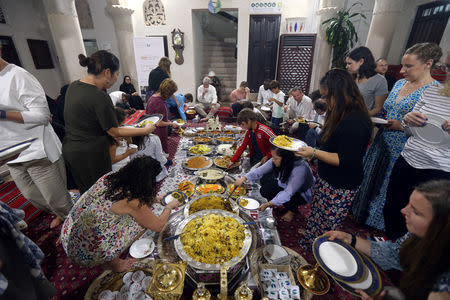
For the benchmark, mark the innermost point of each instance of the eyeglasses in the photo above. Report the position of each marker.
(445, 67)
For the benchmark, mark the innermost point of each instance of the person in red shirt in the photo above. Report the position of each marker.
(256, 138)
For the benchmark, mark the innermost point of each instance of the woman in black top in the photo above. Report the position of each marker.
(127, 86)
(345, 137)
(157, 75)
(135, 100)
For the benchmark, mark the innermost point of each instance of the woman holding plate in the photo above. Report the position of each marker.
(422, 253)
(289, 182)
(90, 119)
(344, 138)
(112, 214)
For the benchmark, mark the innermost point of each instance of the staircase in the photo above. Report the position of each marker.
(219, 57)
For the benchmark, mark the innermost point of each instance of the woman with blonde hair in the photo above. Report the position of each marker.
(156, 105)
(389, 141)
(157, 75)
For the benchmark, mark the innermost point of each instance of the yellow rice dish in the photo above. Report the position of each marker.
(199, 149)
(216, 240)
(283, 141)
(209, 202)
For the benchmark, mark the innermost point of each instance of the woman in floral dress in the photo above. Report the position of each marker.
(388, 144)
(112, 214)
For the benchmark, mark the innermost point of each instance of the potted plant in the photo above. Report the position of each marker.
(340, 33)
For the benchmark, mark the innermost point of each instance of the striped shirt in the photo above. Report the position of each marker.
(420, 154)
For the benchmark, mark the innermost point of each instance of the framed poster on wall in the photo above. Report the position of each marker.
(9, 52)
(41, 54)
(147, 52)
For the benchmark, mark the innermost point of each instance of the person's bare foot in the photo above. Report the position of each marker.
(120, 265)
(56, 222)
(287, 217)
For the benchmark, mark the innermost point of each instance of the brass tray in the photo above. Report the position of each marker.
(202, 266)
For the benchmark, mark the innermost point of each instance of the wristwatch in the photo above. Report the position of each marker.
(2, 114)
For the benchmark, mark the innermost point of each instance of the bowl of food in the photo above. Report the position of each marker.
(208, 188)
(224, 162)
(210, 201)
(225, 149)
(190, 114)
(186, 187)
(225, 139)
(211, 175)
(200, 149)
(212, 238)
(196, 163)
(202, 140)
(240, 191)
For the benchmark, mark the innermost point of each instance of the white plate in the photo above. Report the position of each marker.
(366, 283)
(338, 259)
(379, 121)
(142, 248)
(296, 144)
(274, 252)
(265, 108)
(153, 118)
(252, 204)
(225, 149)
(12, 150)
(432, 133)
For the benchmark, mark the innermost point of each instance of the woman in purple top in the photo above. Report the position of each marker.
(285, 180)
(156, 105)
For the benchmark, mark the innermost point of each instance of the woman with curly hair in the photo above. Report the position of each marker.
(112, 214)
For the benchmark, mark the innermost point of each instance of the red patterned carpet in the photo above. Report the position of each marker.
(72, 281)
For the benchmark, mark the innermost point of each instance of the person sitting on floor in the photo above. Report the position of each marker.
(298, 106)
(108, 217)
(176, 108)
(422, 253)
(256, 138)
(150, 145)
(215, 82)
(118, 149)
(289, 182)
(239, 96)
(312, 137)
(277, 102)
(207, 99)
(264, 93)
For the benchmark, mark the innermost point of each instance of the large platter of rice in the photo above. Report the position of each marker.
(213, 238)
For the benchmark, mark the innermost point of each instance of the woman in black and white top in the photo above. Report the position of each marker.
(419, 161)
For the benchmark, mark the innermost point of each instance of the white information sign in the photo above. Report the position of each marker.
(147, 53)
(266, 7)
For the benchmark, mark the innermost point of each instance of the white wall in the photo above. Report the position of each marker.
(197, 42)
(104, 33)
(27, 20)
(361, 25)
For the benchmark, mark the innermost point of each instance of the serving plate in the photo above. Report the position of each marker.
(212, 267)
(211, 175)
(296, 144)
(234, 207)
(225, 149)
(339, 260)
(432, 133)
(206, 152)
(209, 160)
(154, 118)
(213, 188)
(12, 150)
(371, 283)
(380, 121)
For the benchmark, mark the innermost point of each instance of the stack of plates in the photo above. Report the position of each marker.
(350, 269)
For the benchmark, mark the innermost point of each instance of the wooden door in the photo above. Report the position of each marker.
(430, 22)
(263, 49)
